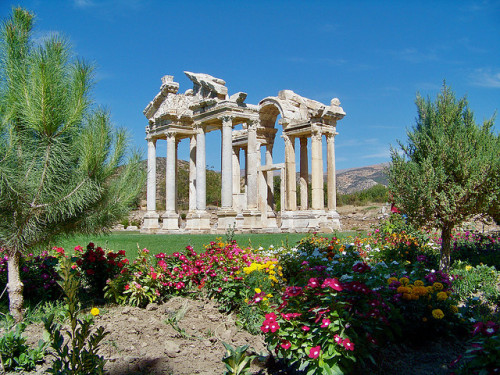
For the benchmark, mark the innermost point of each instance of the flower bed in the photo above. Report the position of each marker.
(325, 306)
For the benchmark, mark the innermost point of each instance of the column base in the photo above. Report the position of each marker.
(170, 222)
(150, 224)
(226, 217)
(198, 222)
(252, 221)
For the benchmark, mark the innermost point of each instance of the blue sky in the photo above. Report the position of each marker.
(373, 55)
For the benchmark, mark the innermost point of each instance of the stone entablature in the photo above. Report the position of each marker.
(208, 107)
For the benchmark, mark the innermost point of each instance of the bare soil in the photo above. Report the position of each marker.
(141, 341)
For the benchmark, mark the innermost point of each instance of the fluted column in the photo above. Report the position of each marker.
(304, 174)
(252, 154)
(192, 173)
(170, 172)
(201, 173)
(226, 163)
(236, 170)
(151, 190)
(291, 184)
(318, 200)
(331, 179)
(270, 177)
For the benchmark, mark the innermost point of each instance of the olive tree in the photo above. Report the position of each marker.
(64, 168)
(449, 170)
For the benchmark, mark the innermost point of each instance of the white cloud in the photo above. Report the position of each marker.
(485, 77)
(84, 3)
(386, 154)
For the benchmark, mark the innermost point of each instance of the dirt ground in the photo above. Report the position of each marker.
(141, 342)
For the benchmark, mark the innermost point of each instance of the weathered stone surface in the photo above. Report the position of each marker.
(207, 107)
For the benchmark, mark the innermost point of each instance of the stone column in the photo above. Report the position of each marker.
(192, 173)
(226, 163)
(270, 176)
(151, 190)
(170, 173)
(318, 200)
(304, 174)
(252, 164)
(291, 184)
(150, 224)
(201, 173)
(236, 170)
(331, 179)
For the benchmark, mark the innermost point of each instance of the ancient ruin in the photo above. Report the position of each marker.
(208, 107)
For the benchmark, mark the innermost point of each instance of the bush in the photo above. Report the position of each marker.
(15, 354)
(38, 274)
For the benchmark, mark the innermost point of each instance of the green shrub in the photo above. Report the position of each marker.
(15, 354)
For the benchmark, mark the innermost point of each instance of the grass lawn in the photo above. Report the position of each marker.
(170, 243)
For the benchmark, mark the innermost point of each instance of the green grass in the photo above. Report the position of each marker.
(170, 243)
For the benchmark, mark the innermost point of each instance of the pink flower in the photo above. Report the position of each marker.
(314, 352)
(348, 344)
(313, 282)
(332, 283)
(325, 323)
(338, 339)
(305, 328)
(273, 326)
(271, 317)
(286, 344)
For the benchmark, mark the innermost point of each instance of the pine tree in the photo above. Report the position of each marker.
(63, 167)
(450, 169)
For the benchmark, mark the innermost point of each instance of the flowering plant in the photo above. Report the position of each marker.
(38, 274)
(483, 353)
(97, 266)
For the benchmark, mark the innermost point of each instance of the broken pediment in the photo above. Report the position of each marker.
(207, 87)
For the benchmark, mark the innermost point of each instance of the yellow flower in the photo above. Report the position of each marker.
(437, 286)
(468, 268)
(419, 283)
(404, 280)
(437, 314)
(454, 309)
(270, 296)
(94, 311)
(257, 290)
(424, 319)
(390, 280)
(441, 296)
(420, 290)
(403, 289)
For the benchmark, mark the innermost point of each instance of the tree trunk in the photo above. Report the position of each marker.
(15, 286)
(444, 263)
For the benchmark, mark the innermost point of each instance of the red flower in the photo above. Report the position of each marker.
(286, 344)
(348, 344)
(325, 323)
(332, 283)
(90, 272)
(127, 287)
(314, 352)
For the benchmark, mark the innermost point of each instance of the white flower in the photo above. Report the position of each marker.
(394, 263)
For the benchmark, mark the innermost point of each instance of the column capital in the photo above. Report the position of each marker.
(227, 120)
(252, 124)
(316, 135)
(170, 134)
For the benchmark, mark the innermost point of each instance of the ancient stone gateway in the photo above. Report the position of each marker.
(208, 107)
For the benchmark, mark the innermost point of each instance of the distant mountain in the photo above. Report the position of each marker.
(356, 179)
(348, 180)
